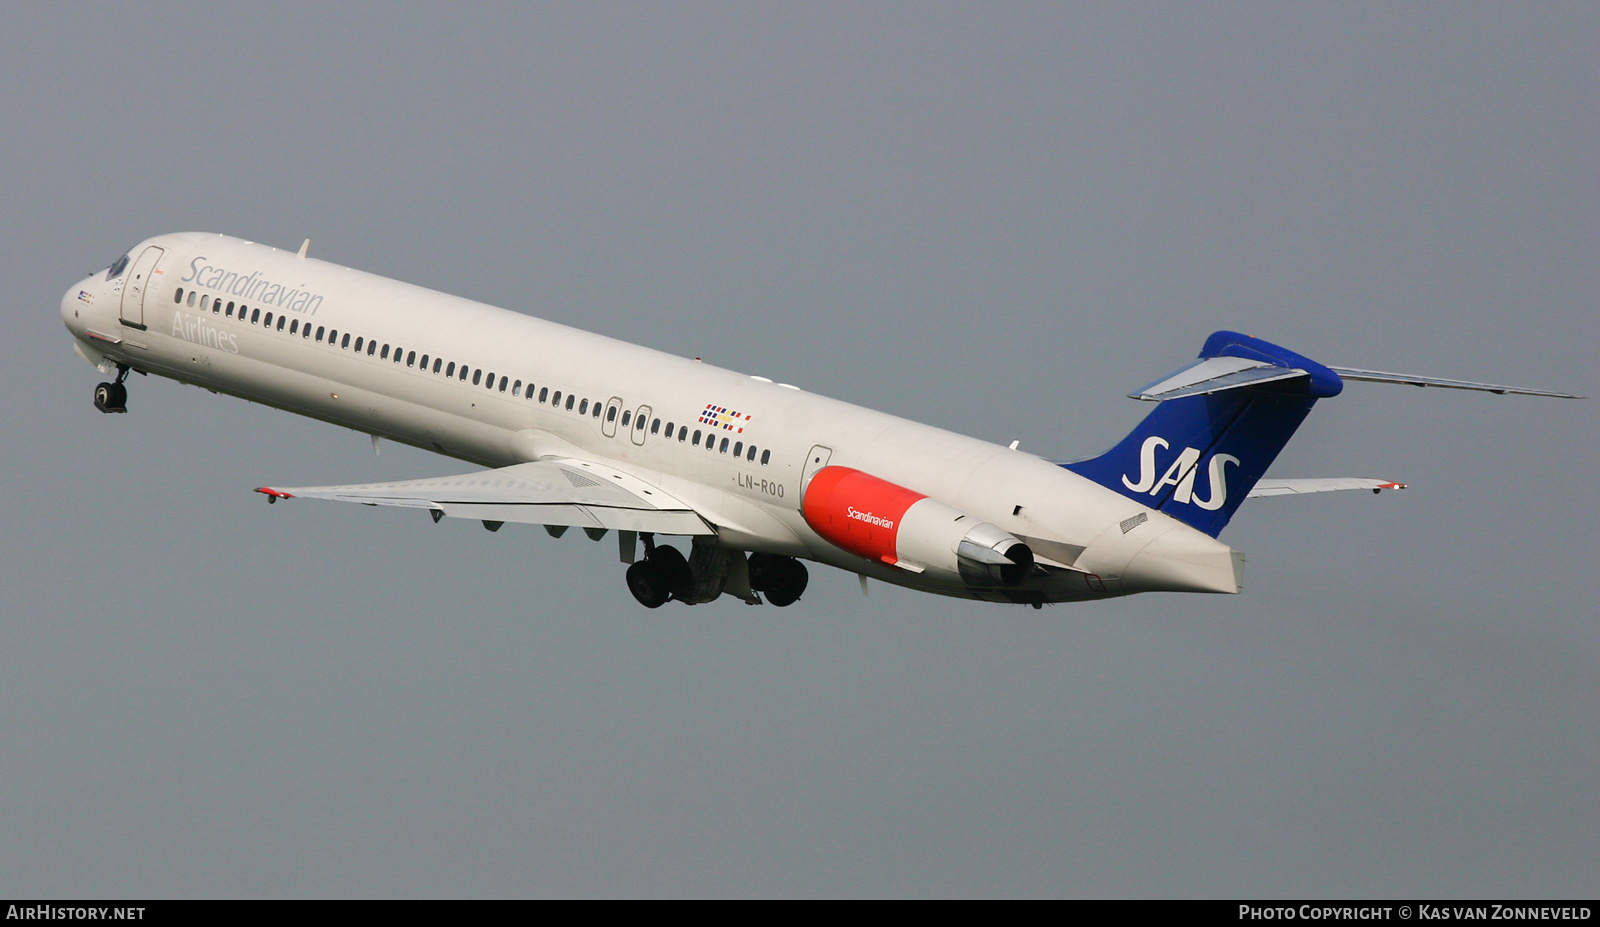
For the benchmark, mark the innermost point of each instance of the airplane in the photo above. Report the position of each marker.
(574, 429)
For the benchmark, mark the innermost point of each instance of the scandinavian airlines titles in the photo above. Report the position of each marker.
(869, 518)
(254, 287)
(1180, 474)
(199, 330)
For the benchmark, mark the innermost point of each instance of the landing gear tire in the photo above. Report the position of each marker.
(111, 397)
(673, 568)
(781, 579)
(648, 583)
(662, 575)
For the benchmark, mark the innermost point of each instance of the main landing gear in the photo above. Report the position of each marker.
(664, 575)
(781, 579)
(113, 397)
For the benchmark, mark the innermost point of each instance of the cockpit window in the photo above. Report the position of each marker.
(117, 267)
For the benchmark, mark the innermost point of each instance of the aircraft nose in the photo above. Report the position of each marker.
(81, 303)
(70, 301)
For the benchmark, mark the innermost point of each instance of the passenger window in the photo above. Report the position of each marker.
(611, 414)
(596, 409)
(571, 398)
(516, 387)
(437, 363)
(372, 348)
(625, 417)
(463, 373)
(267, 322)
(359, 343)
(724, 445)
(282, 319)
(752, 454)
(423, 364)
(738, 449)
(669, 430)
(696, 441)
(556, 399)
(216, 306)
(655, 427)
(543, 394)
(229, 311)
(385, 354)
(304, 332)
(765, 456)
(502, 384)
(320, 331)
(450, 371)
(683, 434)
(192, 295)
(254, 316)
(345, 344)
(205, 302)
(477, 377)
(411, 359)
(177, 296)
(294, 327)
(530, 392)
(399, 354)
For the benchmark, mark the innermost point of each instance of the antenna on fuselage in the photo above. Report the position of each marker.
(304, 247)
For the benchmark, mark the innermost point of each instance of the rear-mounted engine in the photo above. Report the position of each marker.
(883, 521)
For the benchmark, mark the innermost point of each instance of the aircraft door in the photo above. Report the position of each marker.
(641, 418)
(608, 422)
(138, 282)
(816, 460)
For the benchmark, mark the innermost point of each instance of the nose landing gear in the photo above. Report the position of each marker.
(113, 397)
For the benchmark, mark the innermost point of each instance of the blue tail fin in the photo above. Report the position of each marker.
(1198, 454)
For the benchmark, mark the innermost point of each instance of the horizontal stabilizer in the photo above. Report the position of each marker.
(1332, 484)
(1215, 374)
(556, 492)
(1379, 376)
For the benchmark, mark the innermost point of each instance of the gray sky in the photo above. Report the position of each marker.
(994, 218)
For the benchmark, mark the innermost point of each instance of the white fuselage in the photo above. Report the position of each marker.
(176, 312)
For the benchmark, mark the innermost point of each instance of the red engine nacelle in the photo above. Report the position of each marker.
(887, 522)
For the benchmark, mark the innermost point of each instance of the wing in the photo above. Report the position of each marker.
(555, 492)
(1334, 484)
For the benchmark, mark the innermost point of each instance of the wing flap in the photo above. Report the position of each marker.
(557, 491)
